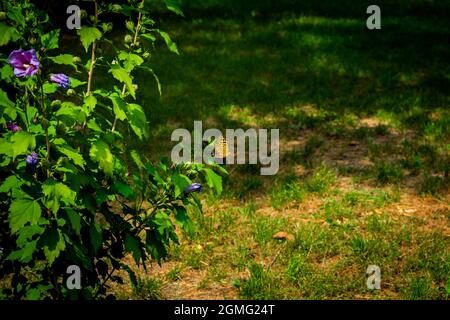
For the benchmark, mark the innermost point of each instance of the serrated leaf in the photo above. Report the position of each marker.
(10, 183)
(50, 40)
(22, 211)
(4, 100)
(25, 254)
(71, 113)
(90, 102)
(7, 34)
(27, 233)
(122, 75)
(130, 60)
(101, 153)
(119, 106)
(57, 192)
(70, 152)
(88, 35)
(53, 243)
(137, 120)
(22, 141)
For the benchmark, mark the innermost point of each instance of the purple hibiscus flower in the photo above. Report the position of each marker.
(195, 187)
(25, 63)
(61, 80)
(13, 127)
(32, 161)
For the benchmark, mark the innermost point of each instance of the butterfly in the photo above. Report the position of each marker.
(221, 151)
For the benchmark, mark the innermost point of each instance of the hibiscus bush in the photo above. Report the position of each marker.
(73, 191)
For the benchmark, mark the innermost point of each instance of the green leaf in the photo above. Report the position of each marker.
(95, 233)
(88, 35)
(57, 192)
(66, 59)
(71, 113)
(174, 6)
(180, 182)
(75, 82)
(101, 153)
(75, 220)
(70, 152)
(22, 211)
(4, 100)
(7, 106)
(131, 60)
(25, 254)
(90, 102)
(137, 159)
(170, 44)
(214, 180)
(50, 40)
(6, 72)
(158, 83)
(49, 87)
(21, 141)
(119, 106)
(53, 243)
(138, 120)
(182, 219)
(149, 37)
(27, 233)
(6, 149)
(124, 189)
(132, 246)
(11, 182)
(7, 34)
(122, 75)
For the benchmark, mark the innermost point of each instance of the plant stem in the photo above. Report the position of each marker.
(90, 74)
(47, 140)
(91, 67)
(136, 32)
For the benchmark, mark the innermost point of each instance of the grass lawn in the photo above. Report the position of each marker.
(364, 125)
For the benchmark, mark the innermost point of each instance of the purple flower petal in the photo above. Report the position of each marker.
(25, 63)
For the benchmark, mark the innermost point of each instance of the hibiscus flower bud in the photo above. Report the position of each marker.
(61, 80)
(56, 103)
(128, 38)
(116, 8)
(32, 161)
(194, 187)
(45, 123)
(13, 127)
